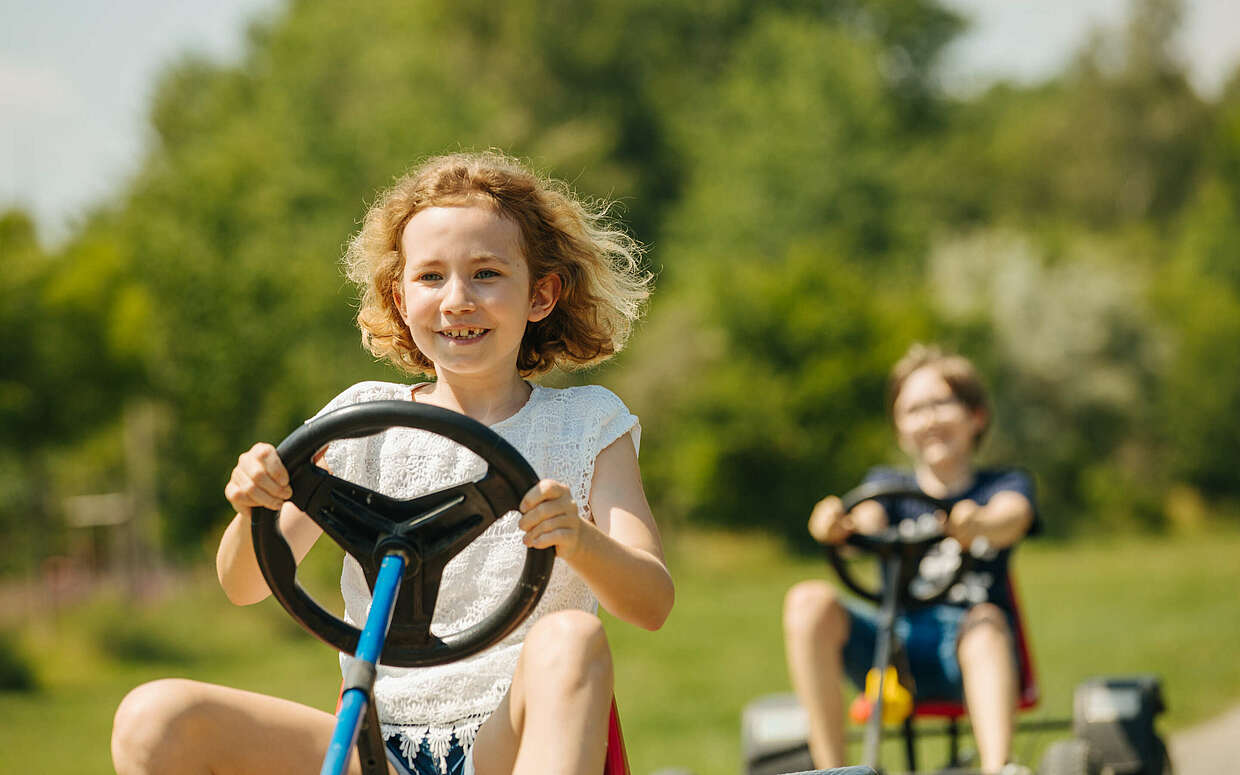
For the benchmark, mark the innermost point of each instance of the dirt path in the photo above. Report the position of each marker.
(1212, 748)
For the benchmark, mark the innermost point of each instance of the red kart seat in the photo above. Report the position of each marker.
(617, 759)
(1029, 693)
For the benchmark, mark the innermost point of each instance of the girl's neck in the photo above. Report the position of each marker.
(945, 479)
(487, 400)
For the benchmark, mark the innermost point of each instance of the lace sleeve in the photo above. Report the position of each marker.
(609, 419)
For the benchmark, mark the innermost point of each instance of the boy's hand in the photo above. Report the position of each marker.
(828, 523)
(549, 518)
(965, 522)
(259, 479)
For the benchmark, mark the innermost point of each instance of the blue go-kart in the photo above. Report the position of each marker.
(403, 547)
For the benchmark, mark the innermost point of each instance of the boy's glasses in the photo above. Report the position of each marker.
(939, 406)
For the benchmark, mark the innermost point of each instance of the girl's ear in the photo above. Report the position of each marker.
(545, 295)
(398, 298)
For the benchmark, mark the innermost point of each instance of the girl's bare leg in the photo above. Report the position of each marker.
(815, 630)
(191, 728)
(554, 719)
(990, 682)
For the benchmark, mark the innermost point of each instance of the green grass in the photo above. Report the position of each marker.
(1164, 605)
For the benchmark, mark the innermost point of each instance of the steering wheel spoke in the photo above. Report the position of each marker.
(415, 606)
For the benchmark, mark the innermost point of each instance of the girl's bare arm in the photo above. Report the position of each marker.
(619, 555)
(259, 479)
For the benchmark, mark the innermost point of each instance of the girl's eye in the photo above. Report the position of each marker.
(429, 277)
(486, 274)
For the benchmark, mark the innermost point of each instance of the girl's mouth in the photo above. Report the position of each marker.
(464, 335)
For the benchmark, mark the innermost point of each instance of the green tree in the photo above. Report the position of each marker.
(259, 173)
(780, 308)
(1198, 290)
(71, 324)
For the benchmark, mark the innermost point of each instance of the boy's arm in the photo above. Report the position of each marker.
(828, 523)
(619, 555)
(1003, 521)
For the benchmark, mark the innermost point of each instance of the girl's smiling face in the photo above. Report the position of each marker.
(465, 291)
(934, 426)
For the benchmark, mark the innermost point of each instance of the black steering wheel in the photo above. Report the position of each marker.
(428, 531)
(908, 542)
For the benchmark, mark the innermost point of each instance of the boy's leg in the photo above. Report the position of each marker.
(990, 682)
(554, 719)
(187, 727)
(816, 626)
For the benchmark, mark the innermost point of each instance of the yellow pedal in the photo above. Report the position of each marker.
(897, 700)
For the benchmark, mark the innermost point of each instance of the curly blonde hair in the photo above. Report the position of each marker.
(603, 289)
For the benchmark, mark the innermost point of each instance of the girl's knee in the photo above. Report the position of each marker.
(150, 724)
(568, 642)
(812, 609)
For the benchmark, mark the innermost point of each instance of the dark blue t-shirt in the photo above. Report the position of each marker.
(988, 580)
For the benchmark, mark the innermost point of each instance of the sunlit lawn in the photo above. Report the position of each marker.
(1165, 605)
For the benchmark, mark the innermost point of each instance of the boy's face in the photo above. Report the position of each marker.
(935, 427)
(465, 291)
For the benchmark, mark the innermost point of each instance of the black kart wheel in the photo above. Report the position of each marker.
(428, 530)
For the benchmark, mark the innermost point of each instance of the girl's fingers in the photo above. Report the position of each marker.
(263, 486)
(545, 490)
(549, 517)
(266, 471)
(274, 466)
(243, 490)
(547, 510)
(556, 538)
(551, 532)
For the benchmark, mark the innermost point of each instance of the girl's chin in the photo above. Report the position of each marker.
(472, 359)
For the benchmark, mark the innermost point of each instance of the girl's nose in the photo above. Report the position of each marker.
(458, 296)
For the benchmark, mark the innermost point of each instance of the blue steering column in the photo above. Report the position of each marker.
(358, 692)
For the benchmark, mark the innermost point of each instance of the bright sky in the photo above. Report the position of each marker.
(76, 75)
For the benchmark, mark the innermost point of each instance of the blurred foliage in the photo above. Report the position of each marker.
(814, 202)
(17, 673)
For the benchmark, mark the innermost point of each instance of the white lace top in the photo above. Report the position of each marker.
(560, 433)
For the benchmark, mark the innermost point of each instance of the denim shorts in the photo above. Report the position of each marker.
(426, 763)
(929, 636)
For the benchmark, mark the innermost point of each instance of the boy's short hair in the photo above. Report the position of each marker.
(603, 285)
(957, 371)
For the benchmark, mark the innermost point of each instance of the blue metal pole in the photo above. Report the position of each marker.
(369, 647)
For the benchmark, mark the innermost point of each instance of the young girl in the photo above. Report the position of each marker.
(958, 650)
(477, 271)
